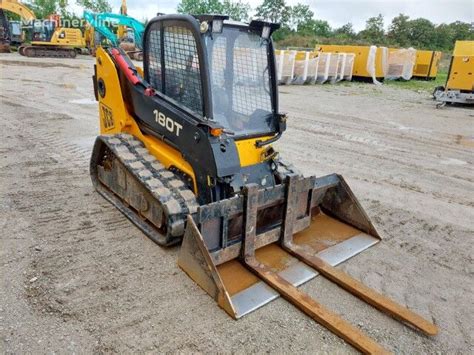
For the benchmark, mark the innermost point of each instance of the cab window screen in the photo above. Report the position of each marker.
(176, 74)
(154, 59)
(251, 78)
(182, 72)
(240, 82)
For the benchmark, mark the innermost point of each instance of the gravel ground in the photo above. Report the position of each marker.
(77, 276)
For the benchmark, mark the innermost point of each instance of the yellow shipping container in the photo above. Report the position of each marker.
(361, 60)
(426, 65)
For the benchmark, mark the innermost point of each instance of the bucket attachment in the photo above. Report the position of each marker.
(250, 249)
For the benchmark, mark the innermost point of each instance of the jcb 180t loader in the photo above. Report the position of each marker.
(185, 153)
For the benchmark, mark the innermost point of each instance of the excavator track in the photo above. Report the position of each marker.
(47, 52)
(5, 48)
(151, 196)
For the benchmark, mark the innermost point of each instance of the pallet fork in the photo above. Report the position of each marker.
(323, 225)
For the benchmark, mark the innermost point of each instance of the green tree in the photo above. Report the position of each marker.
(462, 30)
(399, 30)
(44, 8)
(422, 33)
(275, 11)
(444, 37)
(346, 30)
(236, 10)
(200, 7)
(447, 34)
(314, 27)
(299, 16)
(374, 31)
(95, 5)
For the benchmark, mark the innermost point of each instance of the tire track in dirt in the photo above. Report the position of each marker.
(100, 282)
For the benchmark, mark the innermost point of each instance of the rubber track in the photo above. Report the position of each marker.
(44, 52)
(176, 199)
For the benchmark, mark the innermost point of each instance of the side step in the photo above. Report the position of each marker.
(323, 225)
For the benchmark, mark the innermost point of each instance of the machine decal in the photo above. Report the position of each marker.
(107, 117)
(167, 122)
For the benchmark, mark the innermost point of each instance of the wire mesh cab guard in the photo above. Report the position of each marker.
(175, 63)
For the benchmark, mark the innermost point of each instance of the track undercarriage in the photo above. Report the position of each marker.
(152, 197)
(47, 51)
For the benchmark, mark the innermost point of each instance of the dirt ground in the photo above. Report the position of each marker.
(77, 276)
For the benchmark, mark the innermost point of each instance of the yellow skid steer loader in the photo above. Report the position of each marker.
(185, 153)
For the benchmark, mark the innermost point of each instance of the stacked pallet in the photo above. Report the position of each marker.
(311, 67)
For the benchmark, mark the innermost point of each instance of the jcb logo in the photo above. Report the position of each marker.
(107, 117)
(167, 122)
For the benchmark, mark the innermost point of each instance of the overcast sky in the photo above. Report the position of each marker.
(337, 12)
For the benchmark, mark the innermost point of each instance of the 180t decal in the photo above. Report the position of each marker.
(167, 122)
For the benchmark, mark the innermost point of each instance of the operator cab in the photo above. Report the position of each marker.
(221, 70)
(16, 33)
(129, 36)
(43, 30)
(240, 80)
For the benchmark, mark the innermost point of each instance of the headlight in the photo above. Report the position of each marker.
(217, 25)
(266, 31)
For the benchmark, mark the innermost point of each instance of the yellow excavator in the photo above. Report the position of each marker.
(16, 7)
(122, 30)
(185, 153)
(49, 39)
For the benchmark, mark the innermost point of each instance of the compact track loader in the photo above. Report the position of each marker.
(185, 153)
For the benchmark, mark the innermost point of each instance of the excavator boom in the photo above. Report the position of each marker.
(17, 8)
(101, 23)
